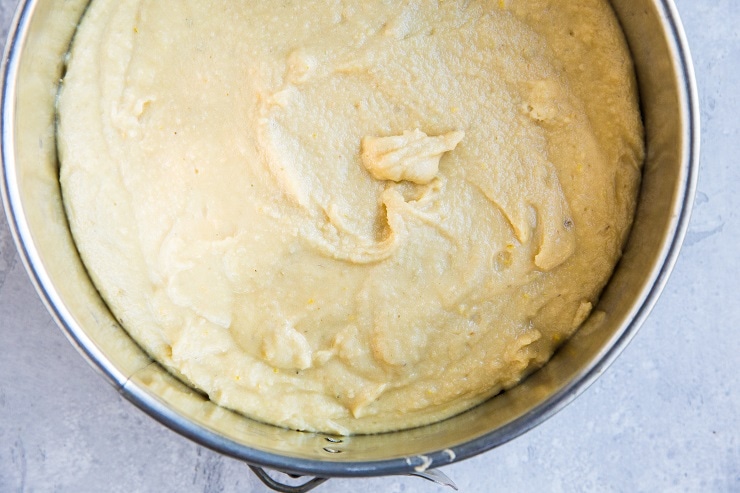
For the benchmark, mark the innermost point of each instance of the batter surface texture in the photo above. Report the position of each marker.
(350, 216)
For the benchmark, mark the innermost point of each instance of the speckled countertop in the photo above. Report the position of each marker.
(665, 417)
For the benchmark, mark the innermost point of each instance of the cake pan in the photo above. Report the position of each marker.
(34, 63)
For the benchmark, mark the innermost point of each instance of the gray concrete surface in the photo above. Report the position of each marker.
(664, 417)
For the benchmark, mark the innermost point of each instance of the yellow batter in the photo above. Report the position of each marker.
(350, 216)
